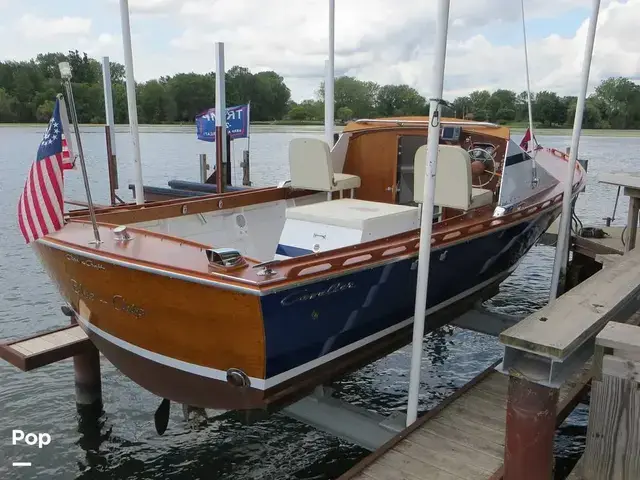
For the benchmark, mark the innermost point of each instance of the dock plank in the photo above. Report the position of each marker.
(412, 469)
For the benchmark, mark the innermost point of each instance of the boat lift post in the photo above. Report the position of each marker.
(562, 250)
(329, 114)
(426, 221)
(221, 118)
(110, 129)
(131, 99)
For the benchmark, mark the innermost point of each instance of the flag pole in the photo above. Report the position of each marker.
(562, 248)
(426, 222)
(65, 73)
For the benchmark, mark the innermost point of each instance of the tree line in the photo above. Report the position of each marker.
(28, 89)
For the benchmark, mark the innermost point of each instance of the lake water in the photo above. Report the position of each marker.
(126, 446)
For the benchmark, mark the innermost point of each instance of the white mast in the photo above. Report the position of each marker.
(131, 98)
(427, 207)
(534, 174)
(560, 261)
(329, 116)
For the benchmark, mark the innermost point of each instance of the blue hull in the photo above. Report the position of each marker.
(306, 323)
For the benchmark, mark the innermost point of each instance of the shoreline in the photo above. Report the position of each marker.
(318, 126)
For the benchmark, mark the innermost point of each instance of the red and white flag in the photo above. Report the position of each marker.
(524, 143)
(41, 206)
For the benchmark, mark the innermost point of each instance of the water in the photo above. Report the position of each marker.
(125, 446)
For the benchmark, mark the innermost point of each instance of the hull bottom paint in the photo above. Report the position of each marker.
(205, 392)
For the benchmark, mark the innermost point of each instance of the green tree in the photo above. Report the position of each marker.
(399, 100)
(549, 109)
(156, 104)
(7, 107)
(344, 114)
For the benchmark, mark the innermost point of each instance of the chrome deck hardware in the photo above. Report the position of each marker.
(266, 271)
(224, 257)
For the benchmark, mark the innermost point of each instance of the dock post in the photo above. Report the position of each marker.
(203, 168)
(86, 370)
(246, 175)
(530, 428)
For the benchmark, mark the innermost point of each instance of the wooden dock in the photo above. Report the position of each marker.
(501, 424)
(462, 438)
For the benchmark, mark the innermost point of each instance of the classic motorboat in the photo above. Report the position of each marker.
(248, 299)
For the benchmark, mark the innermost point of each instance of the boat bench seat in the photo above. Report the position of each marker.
(311, 168)
(453, 179)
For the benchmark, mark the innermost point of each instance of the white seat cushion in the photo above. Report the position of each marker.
(352, 213)
(344, 181)
(481, 197)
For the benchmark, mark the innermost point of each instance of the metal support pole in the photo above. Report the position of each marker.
(531, 425)
(329, 114)
(564, 230)
(131, 99)
(65, 71)
(426, 222)
(221, 118)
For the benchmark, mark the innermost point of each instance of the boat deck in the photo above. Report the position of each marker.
(610, 245)
(462, 438)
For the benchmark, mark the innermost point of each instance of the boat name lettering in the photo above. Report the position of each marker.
(86, 262)
(81, 291)
(117, 301)
(121, 305)
(306, 295)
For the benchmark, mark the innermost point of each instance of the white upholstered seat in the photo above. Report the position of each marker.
(453, 179)
(311, 168)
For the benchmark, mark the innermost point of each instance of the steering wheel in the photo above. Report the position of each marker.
(483, 155)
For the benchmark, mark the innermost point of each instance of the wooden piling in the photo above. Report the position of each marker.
(86, 369)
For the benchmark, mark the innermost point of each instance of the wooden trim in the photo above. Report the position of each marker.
(370, 459)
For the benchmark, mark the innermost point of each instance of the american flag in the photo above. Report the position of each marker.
(40, 208)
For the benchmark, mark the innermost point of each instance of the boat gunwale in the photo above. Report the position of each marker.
(284, 281)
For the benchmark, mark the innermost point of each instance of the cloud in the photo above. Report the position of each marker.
(375, 40)
(34, 27)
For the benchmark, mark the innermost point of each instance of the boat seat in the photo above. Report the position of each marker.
(453, 179)
(311, 168)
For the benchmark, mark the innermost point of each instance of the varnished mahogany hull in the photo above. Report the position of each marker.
(177, 339)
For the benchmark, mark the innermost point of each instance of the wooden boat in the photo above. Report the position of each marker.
(248, 299)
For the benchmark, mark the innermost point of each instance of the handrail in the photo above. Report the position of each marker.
(426, 122)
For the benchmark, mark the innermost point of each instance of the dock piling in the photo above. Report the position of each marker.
(530, 429)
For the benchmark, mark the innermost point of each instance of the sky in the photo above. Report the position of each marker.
(379, 40)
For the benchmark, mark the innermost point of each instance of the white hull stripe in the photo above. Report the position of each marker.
(262, 384)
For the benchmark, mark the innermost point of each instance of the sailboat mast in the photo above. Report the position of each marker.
(534, 172)
(426, 221)
(562, 253)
